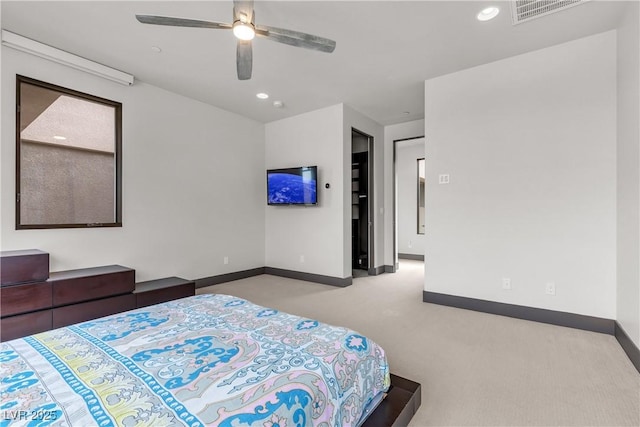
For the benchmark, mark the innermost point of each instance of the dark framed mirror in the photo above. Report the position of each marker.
(68, 158)
(421, 194)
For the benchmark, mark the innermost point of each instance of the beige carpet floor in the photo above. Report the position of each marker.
(476, 369)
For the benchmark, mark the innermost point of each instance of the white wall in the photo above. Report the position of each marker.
(407, 155)
(628, 221)
(530, 144)
(393, 133)
(315, 232)
(193, 183)
(322, 234)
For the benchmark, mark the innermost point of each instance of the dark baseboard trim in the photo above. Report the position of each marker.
(376, 270)
(309, 277)
(411, 256)
(389, 269)
(633, 353)
(229, 277)
(559, 318)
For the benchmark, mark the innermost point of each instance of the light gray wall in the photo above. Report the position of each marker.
(530, 146)
(321, 234)
(393, 133)
(65, 185)
(628, 191)
(193, 183)
(315, 232)
(407, 155)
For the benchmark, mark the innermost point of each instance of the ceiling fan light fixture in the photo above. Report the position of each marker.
(243, 31)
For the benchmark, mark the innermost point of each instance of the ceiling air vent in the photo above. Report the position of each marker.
(526, 10)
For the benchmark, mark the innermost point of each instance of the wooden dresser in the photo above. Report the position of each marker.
(163, 290)
(25, 294)
(89, 293)
(32, 300)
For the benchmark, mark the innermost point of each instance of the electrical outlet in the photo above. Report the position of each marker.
(550, 288)
(443, 179)
(225, 260)
(506, 283)
(301, 259)
(410, 244)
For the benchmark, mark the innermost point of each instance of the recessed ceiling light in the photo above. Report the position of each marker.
(262, 95)
(278, 104)
(59, 138)
(488, 13)
(156, 49)
(406, 113)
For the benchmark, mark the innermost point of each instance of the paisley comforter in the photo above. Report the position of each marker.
(205, 360)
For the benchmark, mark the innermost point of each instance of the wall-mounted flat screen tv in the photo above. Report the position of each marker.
(293, 186)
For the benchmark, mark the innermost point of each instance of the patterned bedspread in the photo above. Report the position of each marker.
(205, 360)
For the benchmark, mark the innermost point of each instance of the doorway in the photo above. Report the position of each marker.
(408, 200)
(362, 242)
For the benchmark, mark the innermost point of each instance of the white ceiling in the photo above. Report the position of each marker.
(385, 49)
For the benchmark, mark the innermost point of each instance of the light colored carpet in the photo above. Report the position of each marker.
(476, 369)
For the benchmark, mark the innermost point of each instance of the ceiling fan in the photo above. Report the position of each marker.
(245, 29)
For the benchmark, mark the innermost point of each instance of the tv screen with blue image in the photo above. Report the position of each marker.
(292, 186)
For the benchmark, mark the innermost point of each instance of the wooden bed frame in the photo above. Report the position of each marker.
(396, 410)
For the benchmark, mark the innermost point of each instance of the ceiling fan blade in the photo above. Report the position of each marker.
(296, 38)
(243, 7)
(244, 59)
(180, 22)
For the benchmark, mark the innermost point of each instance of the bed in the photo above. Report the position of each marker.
(210, 359)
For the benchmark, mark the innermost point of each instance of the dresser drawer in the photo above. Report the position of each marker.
(31, 265)
(24, 324)
(76, 313)
(163, 290)
(18, 299)
(157, 296)
(87, 284)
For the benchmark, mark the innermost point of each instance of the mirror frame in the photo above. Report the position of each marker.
(117, 154)
(421, 196)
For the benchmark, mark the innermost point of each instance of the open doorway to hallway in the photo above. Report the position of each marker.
(409, 199)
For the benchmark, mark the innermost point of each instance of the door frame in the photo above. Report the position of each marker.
(371, 270)
(394, 195)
